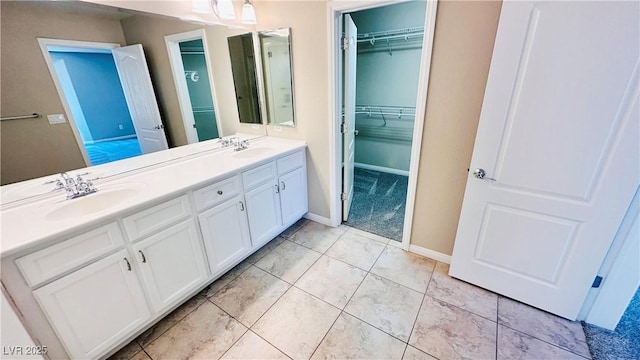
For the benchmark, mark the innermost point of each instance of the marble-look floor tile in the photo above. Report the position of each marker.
(386, 305)
(206, 333)
(369, 235)
(265, 249)
(288, 261)
(331, 280)
(448, 332)
(296, 323)
(141, 356)
(356, 250)
(516, 345)
(225, 279)
(405, 268)
(542, 325)
(350, 338)
(461, 294)
(317, 236)
(170, 320)
(250, 295)
(252, 346)
(127, 352)
(412, 353)
(291, 230)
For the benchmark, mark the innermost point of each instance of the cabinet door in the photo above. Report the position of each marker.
(293, 196)
(263, 210)
(95, 307)
(172, 263)
(226, 233)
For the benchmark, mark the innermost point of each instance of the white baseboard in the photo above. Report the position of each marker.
(317, 218)
(382, 169)
(435, 255)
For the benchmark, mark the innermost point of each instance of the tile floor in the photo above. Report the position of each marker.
(319, 292)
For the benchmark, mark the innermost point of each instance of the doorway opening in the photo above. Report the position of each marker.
(383, 89)
(189, 60)
(92, 87)
(108, 98)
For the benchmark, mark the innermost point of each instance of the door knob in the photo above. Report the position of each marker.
(158, 127)
(480, 174)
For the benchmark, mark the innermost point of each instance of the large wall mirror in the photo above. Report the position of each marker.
(277, 72)
(33, 148)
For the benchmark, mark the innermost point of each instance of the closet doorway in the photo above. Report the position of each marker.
(384, 81)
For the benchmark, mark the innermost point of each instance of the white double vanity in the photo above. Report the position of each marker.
(89, 274)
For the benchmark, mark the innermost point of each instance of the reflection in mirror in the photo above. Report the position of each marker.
(275, 46)
(243, 66)
(38, 147)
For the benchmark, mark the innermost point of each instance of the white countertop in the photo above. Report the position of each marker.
(29, 225)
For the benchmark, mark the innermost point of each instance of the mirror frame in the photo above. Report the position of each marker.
(280, 33)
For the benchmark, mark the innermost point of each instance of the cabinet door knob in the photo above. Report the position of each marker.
(144, 259)
(283, 185)
(128, 264)
(219, 192)
(241, 206)
(277, 189)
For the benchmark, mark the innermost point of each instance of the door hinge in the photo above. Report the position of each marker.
(343, 128)
(597, 282)
(344, 43)
(343, 197)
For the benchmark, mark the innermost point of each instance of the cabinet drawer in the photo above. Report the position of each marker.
(50, 262)
(148, 221)
(290, 162)
(259, 175)
(217, 193)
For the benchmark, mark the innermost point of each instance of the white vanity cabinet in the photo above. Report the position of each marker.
(87, 289)
(223, 222)
(276, 195)
(96, 307)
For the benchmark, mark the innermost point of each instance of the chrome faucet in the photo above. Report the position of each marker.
(74, 187)
(241, 144)
(235, 141)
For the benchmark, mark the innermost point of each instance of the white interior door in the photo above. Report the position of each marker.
(559, 133)
(349, 141)
(141, 99)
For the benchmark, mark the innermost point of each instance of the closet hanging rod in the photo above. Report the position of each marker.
(32, 116)
(389, 37)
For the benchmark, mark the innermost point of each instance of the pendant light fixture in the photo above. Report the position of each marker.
(224, 9)
(248, 13)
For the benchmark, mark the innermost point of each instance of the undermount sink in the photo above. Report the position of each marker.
(253, 152)
(92, 203)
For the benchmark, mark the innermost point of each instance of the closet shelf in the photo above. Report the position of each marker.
(385, 133)
(390, 40)
(395, 112)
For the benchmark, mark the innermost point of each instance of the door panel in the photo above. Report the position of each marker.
(293, 195)
(263, 211)
(172, 263)
(226, 233)
(141, 99)
(558, 133)
(349, 140)
(107, 293)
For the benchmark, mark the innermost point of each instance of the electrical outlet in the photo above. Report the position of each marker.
(56, 119)
(120, 127)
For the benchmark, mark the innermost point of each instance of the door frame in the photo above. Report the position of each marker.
(177, 71)
(82, 46)
(335, 10)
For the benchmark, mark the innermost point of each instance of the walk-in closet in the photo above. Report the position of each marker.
(389, 49)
